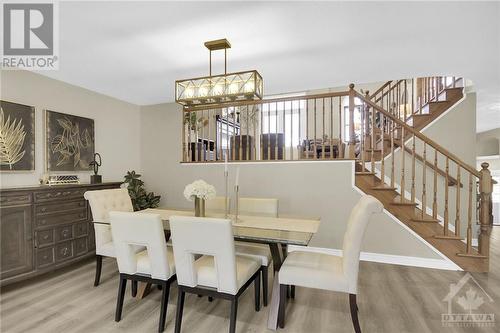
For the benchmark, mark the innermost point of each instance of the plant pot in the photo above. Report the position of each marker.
(199, 207)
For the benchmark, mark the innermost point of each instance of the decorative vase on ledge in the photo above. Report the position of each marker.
(199, 207)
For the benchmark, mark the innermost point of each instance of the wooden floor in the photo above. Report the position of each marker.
(391, 299)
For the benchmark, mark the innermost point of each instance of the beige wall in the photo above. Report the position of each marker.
(117, 123)
(488, 145)
(322, 189)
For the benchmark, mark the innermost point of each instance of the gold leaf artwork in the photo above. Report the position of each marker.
(12, 136)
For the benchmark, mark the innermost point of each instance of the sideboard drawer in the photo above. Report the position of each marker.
(64, 233)
(43, 209)
(59, 194)
(81, 229)
(81, 246)
(64, 251)
(45, 257)
(44, 237)
(15, 199)
(67, 217)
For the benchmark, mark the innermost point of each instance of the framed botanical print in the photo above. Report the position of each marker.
(69, 142)
(17, 137)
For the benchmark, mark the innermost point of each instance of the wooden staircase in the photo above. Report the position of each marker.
(423, 224)
(437, 220)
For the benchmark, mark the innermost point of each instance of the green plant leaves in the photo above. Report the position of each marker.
(140, 198)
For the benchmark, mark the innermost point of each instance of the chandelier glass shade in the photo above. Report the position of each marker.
(222, 88)
(219, 88)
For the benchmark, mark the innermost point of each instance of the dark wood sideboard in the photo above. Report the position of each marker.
(43, 228)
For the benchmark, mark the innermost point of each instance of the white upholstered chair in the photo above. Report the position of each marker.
(219, 272)
(101, 203)
(329, 272)
(260, 207)
(153, 265)
(216, 205)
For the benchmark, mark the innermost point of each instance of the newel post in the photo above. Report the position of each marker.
(485, 215)
(352, 134)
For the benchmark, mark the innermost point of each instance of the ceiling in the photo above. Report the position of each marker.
(134, 51)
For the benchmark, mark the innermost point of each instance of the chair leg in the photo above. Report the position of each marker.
(180, 307)
(281, 311)
(256, 286)
(234, 311)
(98, 267)
(354, 313)
(134, 288)
(265, 283)
(292, 292)
(210, 299)
(119, 302)
(164, 305)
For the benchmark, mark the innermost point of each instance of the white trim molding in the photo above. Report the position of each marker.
(444, 263)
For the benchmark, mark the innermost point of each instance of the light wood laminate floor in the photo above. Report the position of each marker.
(391, 299)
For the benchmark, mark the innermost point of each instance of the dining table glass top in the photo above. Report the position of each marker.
(258, 229)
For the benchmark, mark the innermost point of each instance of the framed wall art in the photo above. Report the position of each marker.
(17, 137)
(69, 142)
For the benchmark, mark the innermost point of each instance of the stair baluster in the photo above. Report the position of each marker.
(457, 204)
(434, 199)
(402, 165)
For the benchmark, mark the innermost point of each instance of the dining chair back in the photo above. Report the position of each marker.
(259, 206)
(154, 265)
(135, 229)
(192, 236)
(353, 237)
(267, 207)
(101, 203)
(327, 271)
(218, 272)
(216, 205)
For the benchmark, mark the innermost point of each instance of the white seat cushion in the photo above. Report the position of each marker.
(144, 264)
(108, 249)
(259, 252)
(207, 275)
(314, 270)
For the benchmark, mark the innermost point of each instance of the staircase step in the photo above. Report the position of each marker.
(424, 220)
(383, 187)
(365, 173)
(405, 202)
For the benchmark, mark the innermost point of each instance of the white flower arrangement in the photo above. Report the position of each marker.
(199, 189)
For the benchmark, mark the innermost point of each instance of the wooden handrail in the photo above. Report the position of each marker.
(422, 137)
(452, 181)
(264, 101)
(380, 89)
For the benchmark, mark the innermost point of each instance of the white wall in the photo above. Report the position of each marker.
(316, 189)
(117, 123)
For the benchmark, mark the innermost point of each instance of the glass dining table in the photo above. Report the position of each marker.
(277, 232)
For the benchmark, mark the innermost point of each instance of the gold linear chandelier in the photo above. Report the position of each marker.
(215, 89)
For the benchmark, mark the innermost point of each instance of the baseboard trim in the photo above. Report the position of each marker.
(386, 258)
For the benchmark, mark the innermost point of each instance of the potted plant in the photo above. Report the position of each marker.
(140, 198)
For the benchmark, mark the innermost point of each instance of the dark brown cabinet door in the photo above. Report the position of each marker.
(16, 241)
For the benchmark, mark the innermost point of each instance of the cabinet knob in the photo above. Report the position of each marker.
(45, 237)
(65, 233)
(64, 251)
(45, 257)
(44, 209)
